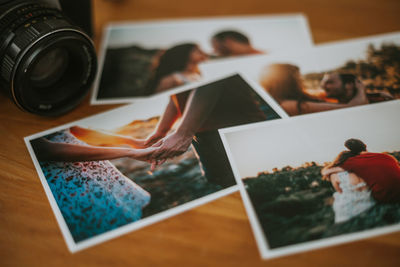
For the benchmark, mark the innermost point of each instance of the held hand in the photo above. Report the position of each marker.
(145, 155)
(138, 143)
(171, 146)
(142, 154)
(153, 138)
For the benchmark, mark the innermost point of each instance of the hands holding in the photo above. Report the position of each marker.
(153, 138)
(155, 149)
(160, 147)
(171, 146)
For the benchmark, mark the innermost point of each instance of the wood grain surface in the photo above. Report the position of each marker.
(216, 234)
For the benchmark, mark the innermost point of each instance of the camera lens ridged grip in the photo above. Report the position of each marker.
(46, 62)
(30, 34)
(6, 68)
(23, 26)
(19, 43)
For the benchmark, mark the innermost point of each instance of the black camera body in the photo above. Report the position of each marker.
(47, 63)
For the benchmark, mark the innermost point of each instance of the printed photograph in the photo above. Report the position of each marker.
(327, 77)
(317, 180)
(141, 59)
(121, 170)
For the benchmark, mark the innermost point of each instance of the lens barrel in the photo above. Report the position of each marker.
(47, 65)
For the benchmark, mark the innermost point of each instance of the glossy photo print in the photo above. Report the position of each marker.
(318, 180)
(121, 170)
(327, 77)
(141, 59)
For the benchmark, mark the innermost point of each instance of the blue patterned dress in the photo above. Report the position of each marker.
(93, 196)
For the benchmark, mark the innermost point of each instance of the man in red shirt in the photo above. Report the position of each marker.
(381, 172)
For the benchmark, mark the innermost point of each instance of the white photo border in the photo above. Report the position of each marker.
(260, 237)
(129, 24)
(111, 234)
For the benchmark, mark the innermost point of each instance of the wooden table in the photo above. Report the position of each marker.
(216, 234)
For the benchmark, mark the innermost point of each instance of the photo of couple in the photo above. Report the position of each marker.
(179, 64)
(327, 77)
(143, 59)
(361, 179)
(116, 169)
(308, 192)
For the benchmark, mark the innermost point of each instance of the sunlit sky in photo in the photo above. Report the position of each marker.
(140, 110)
(316, 137)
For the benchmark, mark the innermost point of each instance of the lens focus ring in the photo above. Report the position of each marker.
(7, 67)
(46, 63)
(29, 35)
(11, 56)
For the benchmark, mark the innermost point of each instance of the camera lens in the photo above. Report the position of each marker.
(46, 63)
(49, 68)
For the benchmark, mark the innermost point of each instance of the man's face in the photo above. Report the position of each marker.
(333, 86)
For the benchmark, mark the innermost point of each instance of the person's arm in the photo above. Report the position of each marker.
(165, 124)
(101, 138)
(335, 182)
(330, 174)
(329, 171)
(386, 96)
(168, 82)
(200, 105)
(360, 97)
(291, 106)
(46, 150)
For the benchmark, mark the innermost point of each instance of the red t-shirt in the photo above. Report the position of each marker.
(380, 171)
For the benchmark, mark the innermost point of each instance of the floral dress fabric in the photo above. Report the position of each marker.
(350, 202)
(93, 196)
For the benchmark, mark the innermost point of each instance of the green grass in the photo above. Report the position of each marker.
(293, 206)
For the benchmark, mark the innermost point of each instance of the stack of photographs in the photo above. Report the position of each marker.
(308, 135)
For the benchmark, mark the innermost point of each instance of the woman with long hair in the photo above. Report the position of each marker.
(177, 65)
(284, 83)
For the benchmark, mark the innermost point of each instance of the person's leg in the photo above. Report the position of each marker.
(214, 161)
